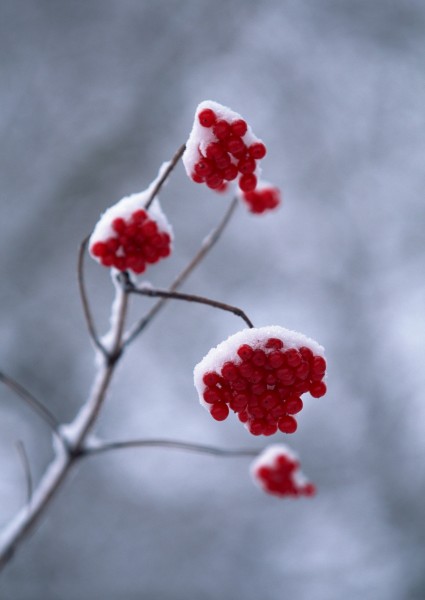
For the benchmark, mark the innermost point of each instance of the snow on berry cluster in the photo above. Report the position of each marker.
(276, 471)
(264, 197)
(221, 148)
(128, 237)
(260, 374)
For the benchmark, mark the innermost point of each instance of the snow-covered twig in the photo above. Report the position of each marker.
(170, 166)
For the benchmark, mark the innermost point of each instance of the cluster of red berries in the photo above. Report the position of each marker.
(136, 242)
(260, 200)
(279, 475)
(264, 386)
(227, 156)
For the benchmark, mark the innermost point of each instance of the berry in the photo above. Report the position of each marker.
(277, 471)
(239, 128)
(204, 167)
(235, 145)
(264, 381)
(246, 165)
(248, 182)
(221, 130)
(207, 117)
(257, 150)
(219, 411)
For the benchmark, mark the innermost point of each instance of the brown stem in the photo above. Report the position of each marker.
(31, 401)
(206, 246)
(154, 293)
(23, 455)
(84, 298)
(165, 175)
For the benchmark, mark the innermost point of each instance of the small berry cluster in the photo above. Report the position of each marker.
(264, 384)
(276, 471)
(222, 148)
(134, 243)
(262, 199)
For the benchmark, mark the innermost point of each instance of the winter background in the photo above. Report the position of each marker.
(94, 96)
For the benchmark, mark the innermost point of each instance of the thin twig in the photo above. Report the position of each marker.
(165, 175)
(84, 298)
(155, 293)
(206, 246)
(175, 444)
(27, 469)
(31, 401)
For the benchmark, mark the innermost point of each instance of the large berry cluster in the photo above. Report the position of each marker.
(260, 374)
(128, 237)
(277, 472)
(222, 148)
(265, 197)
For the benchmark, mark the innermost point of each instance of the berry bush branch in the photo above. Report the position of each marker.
(155, 293)
(258, 373)
(72, 438)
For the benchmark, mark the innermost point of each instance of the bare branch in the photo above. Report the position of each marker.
(32, 402)
(174, 444)
(155, 293)
(84, 298)
(27, 469)
(165, 175)
(206, 246)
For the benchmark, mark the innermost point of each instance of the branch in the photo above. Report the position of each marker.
(206, 246)
(84, 298)
(27, 469)
(160, 443)
(165, 175)
(37, 406)
(155, 293)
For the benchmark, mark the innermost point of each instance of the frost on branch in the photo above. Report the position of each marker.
(222, 147)
(128, 237)
(276, 471)
(261, 374)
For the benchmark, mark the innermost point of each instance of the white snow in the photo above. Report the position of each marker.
(200, 137)
(255, 337)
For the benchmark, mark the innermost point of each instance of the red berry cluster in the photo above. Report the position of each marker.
(227, 156)
(263, 199)
(136, 242)
(279, 477)
(264, 386)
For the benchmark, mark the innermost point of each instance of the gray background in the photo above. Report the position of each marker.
(94, 96)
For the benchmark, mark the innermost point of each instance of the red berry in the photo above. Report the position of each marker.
(294, 405)
(274, 343)
(235, 145)
(239, 127)
(214, 181)
(293, 357)
(98, 249)
(246, 165)
(287, 424)
(248, 182)
(318, 389)
(221, 129)
(215, 150)
(211, 378)
(211, 396)
(219, 411)
(229, 372)
(230, 173)
(207, 117)
(318, 366)
(204, 167)
(197, 178)
(257, 150)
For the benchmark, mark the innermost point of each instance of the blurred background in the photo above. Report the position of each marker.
(94, 96)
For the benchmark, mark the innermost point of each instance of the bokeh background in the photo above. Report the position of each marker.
(94, 96)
